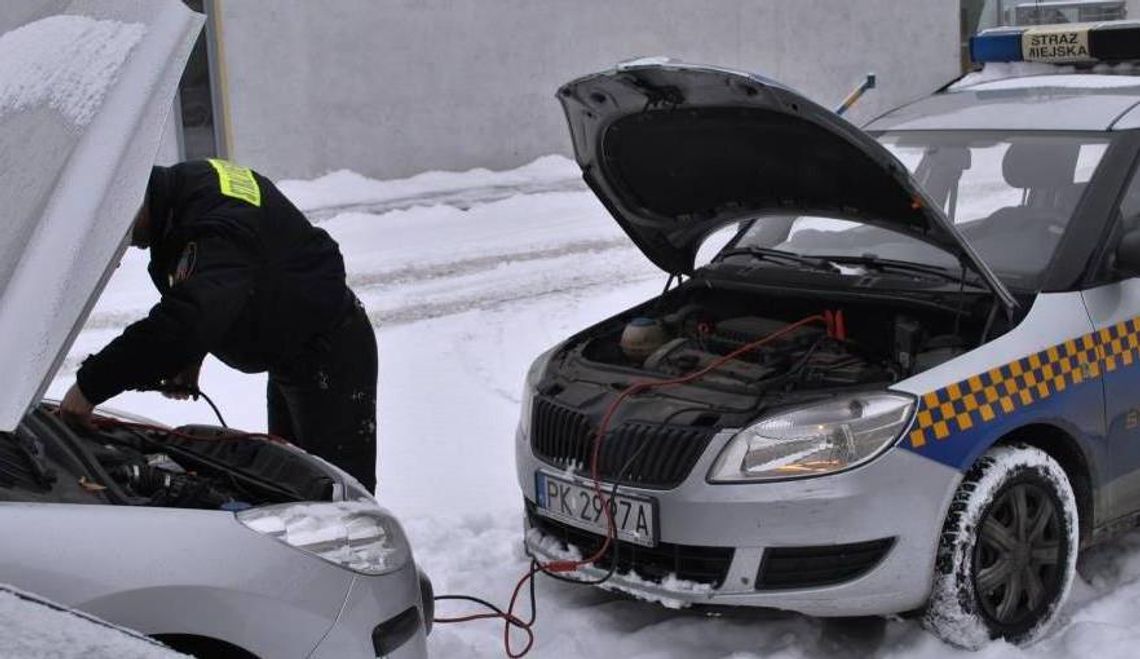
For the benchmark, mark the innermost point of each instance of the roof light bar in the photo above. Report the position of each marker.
(1070, 43)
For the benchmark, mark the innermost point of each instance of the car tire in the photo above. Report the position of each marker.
(1008, 550)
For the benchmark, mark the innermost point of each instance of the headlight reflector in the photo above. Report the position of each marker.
(816, 439)
(358, 535)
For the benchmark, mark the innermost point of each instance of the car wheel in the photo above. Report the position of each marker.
(1008, 550)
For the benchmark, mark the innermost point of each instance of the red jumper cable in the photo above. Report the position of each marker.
(836, 329)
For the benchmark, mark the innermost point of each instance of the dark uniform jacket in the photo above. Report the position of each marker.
(243, 275)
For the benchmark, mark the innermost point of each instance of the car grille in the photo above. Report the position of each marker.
(644, 454)
(706, 565)
(823, 565)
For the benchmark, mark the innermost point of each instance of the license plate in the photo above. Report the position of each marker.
(579, 505)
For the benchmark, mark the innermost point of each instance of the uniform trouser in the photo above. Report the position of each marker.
(325, 401)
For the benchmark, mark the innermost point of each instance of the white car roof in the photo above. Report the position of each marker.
(1024, 96)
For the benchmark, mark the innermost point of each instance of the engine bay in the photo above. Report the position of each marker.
(199, 467)
(207, 467)
(854, 343)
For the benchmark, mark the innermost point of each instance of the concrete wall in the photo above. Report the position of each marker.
(392, 87)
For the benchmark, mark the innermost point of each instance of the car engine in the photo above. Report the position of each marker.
(867, 344)
(806, 353)
(206, 467)
(201, 467)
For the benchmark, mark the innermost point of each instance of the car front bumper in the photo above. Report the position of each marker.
(382, 616)
(897, 502)
(201, 573)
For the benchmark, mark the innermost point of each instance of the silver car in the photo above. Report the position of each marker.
(217, 542)
(905, 384)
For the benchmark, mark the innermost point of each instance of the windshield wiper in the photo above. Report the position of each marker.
(873, 262)
(779, 256)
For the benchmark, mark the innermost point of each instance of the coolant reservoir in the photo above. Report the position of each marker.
(641, 337)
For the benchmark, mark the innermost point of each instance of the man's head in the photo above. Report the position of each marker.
(155, 207)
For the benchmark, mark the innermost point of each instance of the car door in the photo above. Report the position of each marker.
(1114, 309)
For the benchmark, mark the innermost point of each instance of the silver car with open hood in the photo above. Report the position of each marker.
(893, 390)
(215, 542)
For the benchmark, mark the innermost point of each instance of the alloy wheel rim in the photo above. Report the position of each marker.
(1017, 561)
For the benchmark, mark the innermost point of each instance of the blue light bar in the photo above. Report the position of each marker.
(1000, 45)
(1068, 43)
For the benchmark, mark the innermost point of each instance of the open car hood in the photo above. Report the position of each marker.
(676, 151)
(84, 93)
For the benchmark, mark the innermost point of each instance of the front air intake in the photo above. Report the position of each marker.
(820, 565)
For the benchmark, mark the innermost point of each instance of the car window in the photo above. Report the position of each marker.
(1129, 210)
(814, 235)
(1126, 218)
(714, 242)
(998, 189)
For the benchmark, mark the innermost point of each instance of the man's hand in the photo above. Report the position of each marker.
(182, 386)
(76, 410)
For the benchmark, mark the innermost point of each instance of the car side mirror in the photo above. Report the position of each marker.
(1128, 253)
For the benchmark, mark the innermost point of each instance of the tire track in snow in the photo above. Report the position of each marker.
(417, 273)
(460, 198)
(498, 299)
(365, 281)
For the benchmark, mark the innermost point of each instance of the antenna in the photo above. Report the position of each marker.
(857, 93)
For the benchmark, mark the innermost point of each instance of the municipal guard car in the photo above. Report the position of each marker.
(909, 383)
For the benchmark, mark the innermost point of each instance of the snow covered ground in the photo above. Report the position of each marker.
(468, 277)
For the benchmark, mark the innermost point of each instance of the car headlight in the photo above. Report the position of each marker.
(358, 535)
(816, 439)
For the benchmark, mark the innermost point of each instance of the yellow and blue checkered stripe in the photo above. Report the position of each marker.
(1004, 390)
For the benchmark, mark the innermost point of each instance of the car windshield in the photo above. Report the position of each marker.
(1010, 195)
(995, 13)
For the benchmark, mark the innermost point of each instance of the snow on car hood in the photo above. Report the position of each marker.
(675, 151)
(84, 94)
(36, 628)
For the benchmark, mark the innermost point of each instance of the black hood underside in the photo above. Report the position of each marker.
(676, 152)
(724, 162)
